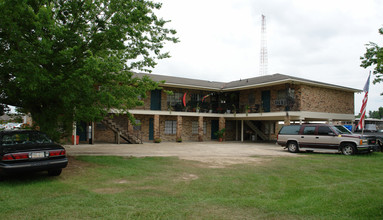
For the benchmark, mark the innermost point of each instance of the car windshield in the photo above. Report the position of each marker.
(341, 129)
(25, 138)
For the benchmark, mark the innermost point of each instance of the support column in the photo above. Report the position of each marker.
(92, 132)
(242, 130)
(156, 125)
(118, 134)
(179, 128)
(276, 125)
(222, 125)
(236, 130)
(130, 125)
(200, 128)
(74, 133)
(287, 119)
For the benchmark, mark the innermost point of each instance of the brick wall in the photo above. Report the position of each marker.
(319, 99)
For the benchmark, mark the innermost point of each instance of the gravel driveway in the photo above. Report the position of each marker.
(214, 154)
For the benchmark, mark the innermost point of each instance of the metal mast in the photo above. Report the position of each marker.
(263, 55)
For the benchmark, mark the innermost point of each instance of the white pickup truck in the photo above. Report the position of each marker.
(314, 137)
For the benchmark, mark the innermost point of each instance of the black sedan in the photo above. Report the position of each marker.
(24, 151)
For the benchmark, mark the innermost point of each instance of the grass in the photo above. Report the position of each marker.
(316, 186)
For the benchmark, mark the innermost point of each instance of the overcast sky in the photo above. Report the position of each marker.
(318, 40)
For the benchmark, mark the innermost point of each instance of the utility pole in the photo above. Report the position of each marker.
(263, 55)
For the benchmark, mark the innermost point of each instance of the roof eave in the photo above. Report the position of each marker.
(279, 82)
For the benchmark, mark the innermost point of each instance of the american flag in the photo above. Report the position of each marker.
(364, 103)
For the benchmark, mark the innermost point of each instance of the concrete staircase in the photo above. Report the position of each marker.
(120, 132)
(258, 132)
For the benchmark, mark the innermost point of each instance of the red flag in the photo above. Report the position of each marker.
(364, 103)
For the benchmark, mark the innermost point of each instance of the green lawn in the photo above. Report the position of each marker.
(315, 186)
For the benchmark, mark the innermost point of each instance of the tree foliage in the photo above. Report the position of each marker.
(71, 60)
(374, 57)
(376, 114)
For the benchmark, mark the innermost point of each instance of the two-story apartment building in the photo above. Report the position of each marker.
(249, 109)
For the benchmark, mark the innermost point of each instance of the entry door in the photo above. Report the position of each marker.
(151, 129)
(266, 101)
(81, 131)
(155, 100)
(214, 128)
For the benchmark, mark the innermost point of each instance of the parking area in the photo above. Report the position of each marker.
(215, 154)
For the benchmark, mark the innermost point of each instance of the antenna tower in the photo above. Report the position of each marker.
(263, 56)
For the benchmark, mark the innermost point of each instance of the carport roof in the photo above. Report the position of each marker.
(255, 82)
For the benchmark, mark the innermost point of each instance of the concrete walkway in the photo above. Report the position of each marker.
(214, 153)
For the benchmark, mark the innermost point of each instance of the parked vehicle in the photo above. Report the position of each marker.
(314, 137)
(377, 135)
(12, 126)
(27, 151)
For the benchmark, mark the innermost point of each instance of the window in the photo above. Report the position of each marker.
(292, 129)
(291, 93)
(281, 94)
(170, 127)
(284, 96)
(309, 130)
(174, 99)
(324, 130)
(137, 127)
(195, 127)
(251, 99)
(196, 97)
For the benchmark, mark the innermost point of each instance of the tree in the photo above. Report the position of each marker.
(374, 57)
(376, 114)
(65, 61)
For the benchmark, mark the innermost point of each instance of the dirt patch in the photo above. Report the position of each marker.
(188, 177)
(210, 154)
(75, 167)
(223, 162)
(122, 181)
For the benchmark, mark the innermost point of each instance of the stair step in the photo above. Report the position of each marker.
(122, 132)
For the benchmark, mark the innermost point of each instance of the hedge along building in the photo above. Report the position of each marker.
(249, 109)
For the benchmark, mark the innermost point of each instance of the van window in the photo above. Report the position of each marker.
(309, 130)
(291, 129)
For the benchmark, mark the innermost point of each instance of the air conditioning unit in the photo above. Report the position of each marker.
(280, 102)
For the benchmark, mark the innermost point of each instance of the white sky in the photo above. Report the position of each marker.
(318, 40)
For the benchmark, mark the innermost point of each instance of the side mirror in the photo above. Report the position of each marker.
(331, 134)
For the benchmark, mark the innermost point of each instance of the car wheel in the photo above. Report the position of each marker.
(54, 172)
(292, 146)
(348, 149)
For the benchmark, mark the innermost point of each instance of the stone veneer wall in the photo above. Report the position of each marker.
(317, 99)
